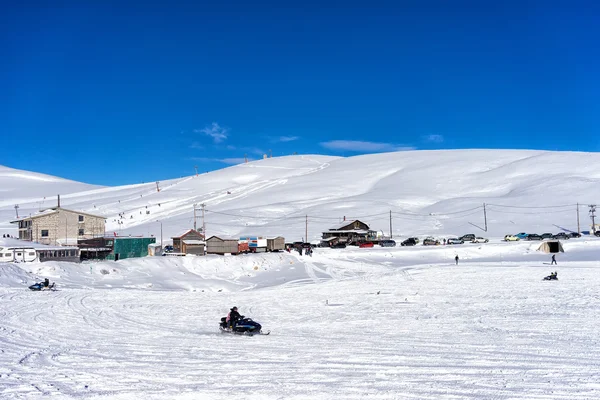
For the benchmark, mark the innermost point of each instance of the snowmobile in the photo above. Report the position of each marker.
(244, 326)
(45, 285)
(552, 277)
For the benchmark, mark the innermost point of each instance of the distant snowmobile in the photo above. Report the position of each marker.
(552, 277)
(244, 326)
(45, 285)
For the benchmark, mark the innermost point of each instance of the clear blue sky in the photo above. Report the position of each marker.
(116, 93)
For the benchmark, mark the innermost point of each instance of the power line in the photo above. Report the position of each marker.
(557, 206)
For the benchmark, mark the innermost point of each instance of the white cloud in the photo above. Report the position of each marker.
(360, 146)
(196, 145)
(434, 138)
(287, 138)
(234, 160)
(215, 131)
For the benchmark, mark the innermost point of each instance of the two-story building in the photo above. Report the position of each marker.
(349, 232)
(60, 226)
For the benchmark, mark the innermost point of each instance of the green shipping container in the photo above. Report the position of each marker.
(130, 247)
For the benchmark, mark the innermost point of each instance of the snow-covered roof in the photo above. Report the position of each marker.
(361, 231)
(53, 210)
(344, 224)
(21, 244)
(183, 233)
(193, 242)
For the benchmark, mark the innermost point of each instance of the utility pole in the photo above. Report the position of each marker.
(593, 217)
(157, 188)
(484, 217)
(391, 224)
(203, 223)
(194, 216)
(17, 210)
(306, 229)
(578, 227)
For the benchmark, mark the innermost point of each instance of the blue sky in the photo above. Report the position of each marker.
(124, 93)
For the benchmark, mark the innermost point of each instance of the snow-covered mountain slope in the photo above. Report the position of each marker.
(429, 192)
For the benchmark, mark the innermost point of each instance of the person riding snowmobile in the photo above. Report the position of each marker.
(233, 317)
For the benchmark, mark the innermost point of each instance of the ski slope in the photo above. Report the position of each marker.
(438, 193)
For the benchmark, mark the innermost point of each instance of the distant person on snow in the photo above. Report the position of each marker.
(456, 259)
(233, 317)
(553, 259)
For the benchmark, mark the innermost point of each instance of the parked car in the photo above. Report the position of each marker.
(597, 233)
(416, 239)
(363, 245)
(431, 242)
(575, 234)
(547, 236)
(561, 235)
(408, 242)
(469, 237)
(387, 243)
(534, 236)
(521, 235)
(168, 249)
(454, 241)
(339, 246)
(511, 238)
(480, 239)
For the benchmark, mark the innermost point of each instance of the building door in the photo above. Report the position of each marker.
(116, 256)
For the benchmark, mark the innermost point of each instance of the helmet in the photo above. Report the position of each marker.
(234, 308)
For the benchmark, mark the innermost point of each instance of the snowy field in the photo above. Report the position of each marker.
(381, 323)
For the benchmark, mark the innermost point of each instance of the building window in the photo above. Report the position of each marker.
(81, 218)
(44, 232)
(81, 232)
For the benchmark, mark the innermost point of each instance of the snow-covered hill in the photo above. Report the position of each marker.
(428, 192)
(354, 323)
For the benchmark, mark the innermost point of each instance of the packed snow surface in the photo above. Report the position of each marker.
(381, 323)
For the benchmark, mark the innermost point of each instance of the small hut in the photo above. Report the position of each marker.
(551, 246)
(189, 246)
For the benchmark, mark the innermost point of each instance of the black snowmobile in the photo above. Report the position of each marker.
(45, 285)
(244, 326)
(552, 277)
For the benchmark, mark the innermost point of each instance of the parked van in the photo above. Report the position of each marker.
(387, 243)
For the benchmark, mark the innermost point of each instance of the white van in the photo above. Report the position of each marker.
(17, 254)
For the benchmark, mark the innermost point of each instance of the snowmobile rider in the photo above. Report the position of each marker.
(233, 317)
(46, 282)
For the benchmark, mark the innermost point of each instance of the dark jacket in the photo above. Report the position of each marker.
(233, 316)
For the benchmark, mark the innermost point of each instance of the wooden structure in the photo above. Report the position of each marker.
(276, 244)
(217, 245)
(350, 232)
(190, 234)
(192, 246)
(60, 226)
